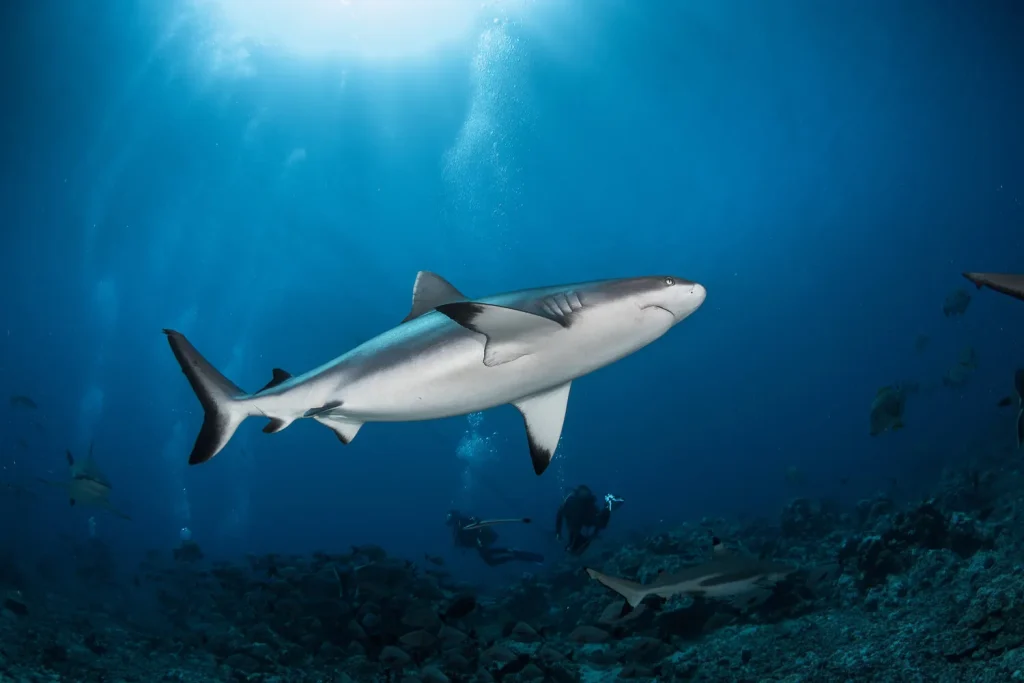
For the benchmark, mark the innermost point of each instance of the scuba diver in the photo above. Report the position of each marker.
(472, 532)
(579, 511)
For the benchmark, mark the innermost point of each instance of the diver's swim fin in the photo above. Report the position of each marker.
(492, 522)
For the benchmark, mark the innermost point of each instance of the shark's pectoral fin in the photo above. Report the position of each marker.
(633, 592)
(544, 415)
(749, 599)
(510, 333)
(279, 377)
(430, 291)
(344, 429)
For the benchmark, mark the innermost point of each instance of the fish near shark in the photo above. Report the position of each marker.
(87, 485)
(453, 355)
(740, 580)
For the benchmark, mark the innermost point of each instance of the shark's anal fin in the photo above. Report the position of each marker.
(279, 377)
(544, 415)
(430, 291)
(325, 408)
(510, 333)
(345, 430)
(275, 425)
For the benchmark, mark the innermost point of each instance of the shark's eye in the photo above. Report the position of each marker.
(669, 281)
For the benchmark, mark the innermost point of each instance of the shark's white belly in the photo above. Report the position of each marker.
(450, 378)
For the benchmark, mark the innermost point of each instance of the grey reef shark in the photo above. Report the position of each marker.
(453, 355)
(87, 484)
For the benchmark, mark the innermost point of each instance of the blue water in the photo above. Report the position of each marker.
(826, 170)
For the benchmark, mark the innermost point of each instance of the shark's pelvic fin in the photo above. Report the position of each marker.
(633, 592)
(430, 291)
(344, 429)
(325, 408)
(222, 401)
(544, 415)
(279, 377)
(510, 333)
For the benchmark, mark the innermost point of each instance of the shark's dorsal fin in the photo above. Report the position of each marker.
(430, 291)
(510, 333)
(544, 415)
(279, 377)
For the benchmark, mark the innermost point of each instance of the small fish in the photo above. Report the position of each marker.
(434, 559)
(21, 401)
(460, 607)
(956, 303)
(1005, 401)
(887, 410)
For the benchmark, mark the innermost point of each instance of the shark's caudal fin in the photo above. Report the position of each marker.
(220, 398)
(633, 592)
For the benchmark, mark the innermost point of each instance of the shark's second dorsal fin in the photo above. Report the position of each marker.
(279, 377)
(430, 291)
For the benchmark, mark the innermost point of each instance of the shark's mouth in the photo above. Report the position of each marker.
(660, 308)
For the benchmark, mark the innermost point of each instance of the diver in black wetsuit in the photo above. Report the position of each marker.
(579, 511)
(482, 539)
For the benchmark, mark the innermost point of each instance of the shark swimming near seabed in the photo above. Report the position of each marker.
(87, 485)
(742, 581)
(453, 355)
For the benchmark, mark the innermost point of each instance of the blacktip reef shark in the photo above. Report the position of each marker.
(741, 580)
(453, 355)
(88, 485)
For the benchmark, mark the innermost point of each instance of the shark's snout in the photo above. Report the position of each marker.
(698, 294)
(686, 299)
